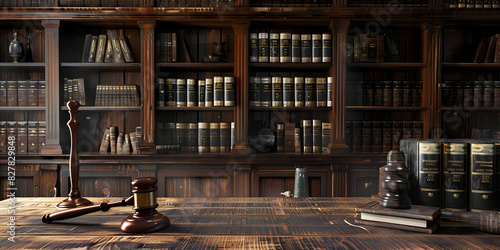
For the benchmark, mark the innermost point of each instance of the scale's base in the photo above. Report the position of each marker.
(74, 201)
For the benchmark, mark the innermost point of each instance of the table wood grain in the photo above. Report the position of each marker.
(230, 223)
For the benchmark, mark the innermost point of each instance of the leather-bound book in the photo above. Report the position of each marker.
(277, 91)
(455, 193)
(310, 92)
(214, 137)
(254, 47)
(225, 137)
(321, 91)
(22, 93)
(181, 91)
(192, 137)
(201, 93)
(274, 47)
(326, 40)
(3, 93)
(482, 176)
(316, 48)
(305, 48)
(209, 92)
(307, 136)
(299, 90)
(218, 91)
(22, 138)
(191, 95)
(229, 91)
(265, 92)
(11, 93)
(280, 137)
(263, 46)
(285, 47)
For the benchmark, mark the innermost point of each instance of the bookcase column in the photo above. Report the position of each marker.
(241, 59)
(338, 72)
(436, 47)
(147, 144)
(52, 104)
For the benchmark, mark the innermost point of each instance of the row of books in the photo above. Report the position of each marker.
(25, 3)
(287, 47)
(194, 3)
(116, 142)
(117, 95)
(218, 91)
(480, 4)
(313, 136)
(488, 50)
(387, 3)
(166, 47)
(384, 93)
(99, 3)
(380, 136)
(290, 3)
(29, 136)
(471, 93)
(362, 47)
(290, 91)
(74, 89)
(195, 137)
(106, 48)
(459, 174)
(22, 93)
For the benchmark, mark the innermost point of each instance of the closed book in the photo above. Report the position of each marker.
(289, 138)
(11, 93)
(209, 92)
(101, 49)
(229, 91)
(113, 134)
(181, 128)
(490, 52)
(33, 146)
(496, 58)
(192, 137)
(367, 131)
(387, 93)
(481, 50)
(325, 136)
(22, 93)
(477, 100)
(3, 93)
(307, 136)
(192, 95)
(424, 213)
(42, 132)
(296, 48)
(326, 47)
(263, 47)
(274, 47)
(455, 176)
(321, 92)
(115, 43)
(482, 174)
(372, 50)
(386, 136)
(265, 92)
(86, 48)
(329, 93)
(377, 137)
(429, 230)
(254, 91)
(277, 91)
(355, 48)
(160, 92)
(397, 94)
(496, 94)
(310, 92)
(218, 91)
(181, 93)
(81, 91)
(299, 89)
(365, 93)
(201, 93)
(397, 134)
(254, 47)
(363, 48)
(298, 140)
(225, 137)
(280, 137)
(407, 129)
(120, 139)
(408, 93)
(468, 93)
(458, 93)
(380, 49)
(22, 138)
(11, 129)
(233, 135)
(488, 93)
(170, 92)
(109, 52)
(288, 92)
(378, 93)
(305, 48)
(127, 145)
(285, 47)
(93, 49)
(214, 137)
(317, 47)
(105, 142)
(32, 93)
(127, 54)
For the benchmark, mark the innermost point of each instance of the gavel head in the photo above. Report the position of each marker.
(145, 219)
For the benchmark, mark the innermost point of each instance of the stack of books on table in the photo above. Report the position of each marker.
(421, 219)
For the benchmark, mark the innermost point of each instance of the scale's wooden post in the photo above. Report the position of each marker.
(147, 143)
(74, 198)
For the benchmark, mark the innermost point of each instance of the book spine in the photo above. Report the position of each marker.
(455, 176)
(397, 94)
(11, 93)
(209, 92)
(201, 93)
(22, 93)
(317, 136)
(321, 92)
(192, 95)
(274, 47)
(86, 48)
(233, 135)
(265, 92)
(126, 50)
(482, 162)
(298, 140)
(280, 137)
(296, 48)
(22, 138)
(3, 137)
(477, 100)
(418, 130)
(288, 92)
(263, 47)
(32, 93)
(329, 86)
(181, 91)
(192, 137)
(326, 40)
(181, 129)
(218, 91)
(81, 91)
(160, 134)
(488, 94)
(387, 92)
(254, 92)
(357, 136)
(171, 92)
(277, 92)
(115, 43)
(348, 135)
(378, 93)
(3, 93)
(254, 47)
(407, 93)
(127, 144)
(214, 137)
(160, 101)
(119, 143)
(306, 48)
(310, 92)
(225, 137)
(299, 89)
(316, 48)
(113, 131)
(496, 94)
(307, 136)
(377, 137)
(12, 131)
(325, 134)
(42, 132)
(229, 91)
(109, 55)
(367, 137)
(386, 136)
(93, 49)
(170, 137)
(285, 47)
(407, 129)
(429, 174)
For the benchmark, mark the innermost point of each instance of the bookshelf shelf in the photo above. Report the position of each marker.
(451, 65)
(471, 109)
(198, 66)
(380, 108)
(105, 108)
(104, 66)
(389, 65)
(287, 66)
(22, 108)
(215, 109)
(291, 109)
(23, 65)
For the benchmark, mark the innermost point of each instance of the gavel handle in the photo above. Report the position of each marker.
(75, 212)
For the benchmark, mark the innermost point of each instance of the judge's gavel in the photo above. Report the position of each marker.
(145, 220)
(486, 221)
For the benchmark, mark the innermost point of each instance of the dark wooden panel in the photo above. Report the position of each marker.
(105, 187)
(196, 186)
(274, 186)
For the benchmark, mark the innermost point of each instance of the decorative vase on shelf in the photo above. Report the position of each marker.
(16, 49)
(28, 56)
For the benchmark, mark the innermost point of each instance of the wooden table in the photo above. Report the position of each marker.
(211, 223)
